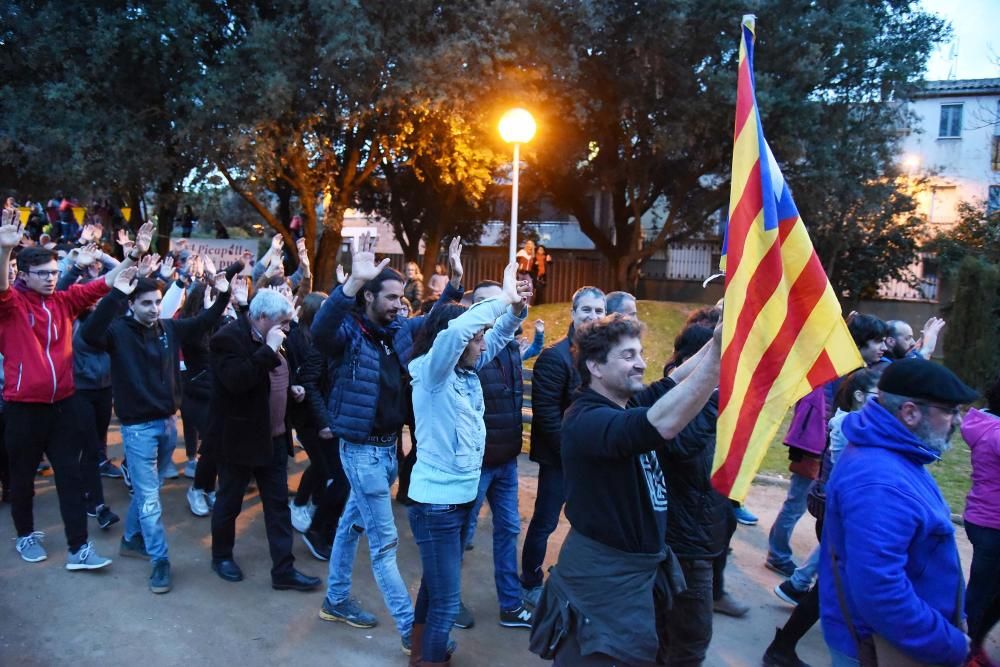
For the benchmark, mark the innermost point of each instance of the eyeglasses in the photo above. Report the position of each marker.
(44, 274)
(953, 411)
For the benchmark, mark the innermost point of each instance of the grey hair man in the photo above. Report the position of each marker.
(622, 302)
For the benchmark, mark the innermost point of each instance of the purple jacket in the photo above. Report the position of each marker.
(808, 428)
(982, 431)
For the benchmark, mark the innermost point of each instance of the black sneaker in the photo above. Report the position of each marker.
(134, 548)
(789, 593)
(105, 517)
(108, 469)
(319, 547)
(159, 580)
(464, 620)
(781, 654)
(516, 618)
(126, 477)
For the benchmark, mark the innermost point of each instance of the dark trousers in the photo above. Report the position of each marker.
(194, 416)
(328, 485)
(4, 463)
(272, 484)
(439, 531)
(984, 579)
(95, 416)
(806, 612)
(206, 470)
(719, 563)
(52, 429)
(549, 501)
(687, 626)
(406, 463)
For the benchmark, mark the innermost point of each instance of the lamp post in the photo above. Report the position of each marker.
(516, 127)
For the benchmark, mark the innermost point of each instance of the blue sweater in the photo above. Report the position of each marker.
(892, 532)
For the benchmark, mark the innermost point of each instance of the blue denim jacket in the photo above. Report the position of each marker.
(448, 406)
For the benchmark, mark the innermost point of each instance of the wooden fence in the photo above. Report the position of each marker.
(568, 271)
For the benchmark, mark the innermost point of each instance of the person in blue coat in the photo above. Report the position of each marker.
(890, 576)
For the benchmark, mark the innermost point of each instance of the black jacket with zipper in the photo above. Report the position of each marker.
(145, 361)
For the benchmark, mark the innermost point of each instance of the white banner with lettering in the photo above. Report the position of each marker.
(222, 251)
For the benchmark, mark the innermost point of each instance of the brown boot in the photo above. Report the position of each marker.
(416, 644)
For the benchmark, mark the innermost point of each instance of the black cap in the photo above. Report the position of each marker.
(917, 378)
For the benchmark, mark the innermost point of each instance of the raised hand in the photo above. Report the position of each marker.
(124, 241)
(220, 283)
(540, 326)
(341, 276)
(300, 245)
(167, 268)
(126, 281)
(455, 260)
(87, 255)
(89, 234)
(11, 231)
(240, 288)
(277, 244)
(363, 266)
(512, 287)
(148, 264)
(210, 269)
(144, 238)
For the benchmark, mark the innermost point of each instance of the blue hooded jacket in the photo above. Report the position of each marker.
(892, 533)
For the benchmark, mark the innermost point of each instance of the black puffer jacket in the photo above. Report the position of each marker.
(503, 393)
(554, 382)
(696, 512)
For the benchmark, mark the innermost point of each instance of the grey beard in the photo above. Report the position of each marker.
(937, 444)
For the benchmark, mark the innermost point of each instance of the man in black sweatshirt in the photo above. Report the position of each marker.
(146, 382)
(598, 599)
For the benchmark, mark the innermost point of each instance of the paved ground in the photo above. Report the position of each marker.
(49, 616)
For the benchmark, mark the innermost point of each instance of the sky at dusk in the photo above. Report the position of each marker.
(976, 25)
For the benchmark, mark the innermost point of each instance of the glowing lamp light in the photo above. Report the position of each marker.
(911, 162)
(517, 126)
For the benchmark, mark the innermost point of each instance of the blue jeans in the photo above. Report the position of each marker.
(438, 531)
(371, 471)
(549, 501)
(149, 447)
(779, 548)
(498, 484)
(805, 575)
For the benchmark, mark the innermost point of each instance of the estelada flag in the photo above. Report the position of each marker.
(783, 334)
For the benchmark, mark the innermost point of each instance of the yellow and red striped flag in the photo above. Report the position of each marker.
(783, 334)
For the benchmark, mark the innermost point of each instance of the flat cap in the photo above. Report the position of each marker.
(917, 378)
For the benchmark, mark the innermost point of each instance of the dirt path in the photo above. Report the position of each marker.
(49, 616)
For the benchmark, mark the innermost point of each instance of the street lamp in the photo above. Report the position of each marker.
(516, 127)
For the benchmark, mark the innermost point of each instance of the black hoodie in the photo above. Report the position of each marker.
(145, 361)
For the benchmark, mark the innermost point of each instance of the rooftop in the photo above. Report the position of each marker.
(954, 87)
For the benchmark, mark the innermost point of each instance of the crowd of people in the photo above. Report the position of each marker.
(255, 363)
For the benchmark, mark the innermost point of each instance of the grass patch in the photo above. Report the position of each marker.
(664, 319)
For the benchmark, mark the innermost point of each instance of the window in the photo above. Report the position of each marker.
(995, 161)
(993, 203)
(951, 122)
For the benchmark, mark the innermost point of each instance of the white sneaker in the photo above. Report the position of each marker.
(301, 519)
(210, 497)
(86, 559)
(30, 547)
(198, 502)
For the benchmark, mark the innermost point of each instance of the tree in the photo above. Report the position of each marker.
(977, 235)
(320, 113)
(974, 323)
(95, 108)
(637, 102)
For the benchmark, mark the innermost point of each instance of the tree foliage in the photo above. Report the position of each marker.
(974, 323)
(977, 235)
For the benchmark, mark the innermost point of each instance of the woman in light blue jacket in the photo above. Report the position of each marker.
(448, 407)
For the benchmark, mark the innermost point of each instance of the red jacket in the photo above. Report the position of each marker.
(36, 340)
